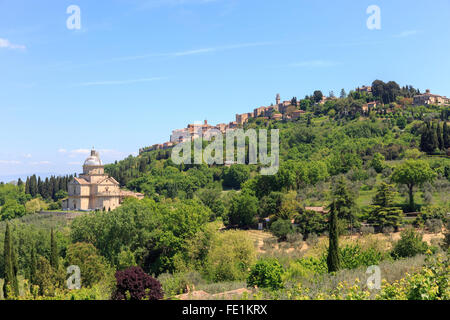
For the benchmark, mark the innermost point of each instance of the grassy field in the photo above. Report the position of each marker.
(42, 221)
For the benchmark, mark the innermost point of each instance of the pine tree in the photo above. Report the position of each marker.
(53, 251)
(383, 213)
(10, 265)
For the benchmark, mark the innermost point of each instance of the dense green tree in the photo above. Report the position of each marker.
(12, 209)
(378, 162)
(270, 205)
(382, 211)
(243, 210)
(236, 175)
(318, 96)
(266, 274)
(413, 173)
(94, 268)
(343, 201)
(212, 199)
(409, 245)
(156, 232)
(311, 222)
(45, 277)
(281, 228)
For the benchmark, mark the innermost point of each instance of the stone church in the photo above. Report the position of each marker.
(94, 190)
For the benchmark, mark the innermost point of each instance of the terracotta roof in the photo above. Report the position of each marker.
(80, 180)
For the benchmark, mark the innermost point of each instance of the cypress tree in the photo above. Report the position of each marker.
(333, 260)
(342, 207)
(27, 186)
(439, 137)
(33, 263)
(10, 265)
(446, 136)
(53, 251)
(33, 186)
(434, 136)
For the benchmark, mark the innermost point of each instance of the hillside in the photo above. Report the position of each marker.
(377, 182)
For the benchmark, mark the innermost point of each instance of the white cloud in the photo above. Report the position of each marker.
(10, 162)
(62, 150)
(5, 43)
(39, 163)
(28, 156)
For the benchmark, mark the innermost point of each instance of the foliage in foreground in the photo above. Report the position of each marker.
(134, 284)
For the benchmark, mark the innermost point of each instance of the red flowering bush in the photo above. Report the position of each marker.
(134, 284)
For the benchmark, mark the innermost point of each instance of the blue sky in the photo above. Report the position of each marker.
(138, 69)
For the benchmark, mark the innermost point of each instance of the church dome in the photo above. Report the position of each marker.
(93, 159)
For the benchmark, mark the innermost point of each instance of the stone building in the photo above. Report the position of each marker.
(94, 190)
(428, 98)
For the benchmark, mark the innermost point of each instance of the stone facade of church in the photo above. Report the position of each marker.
(94, 190)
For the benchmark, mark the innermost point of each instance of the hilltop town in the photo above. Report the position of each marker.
(292, 110)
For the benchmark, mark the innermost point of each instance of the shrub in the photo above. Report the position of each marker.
(434, 225)
(352, 257)
(281, 228)
(294, 238)
(430, 283)
(269, 243)
(134, 284)
(388, 229)
(409, 245)
(316, 265)
(179, 283)
(311, 222)
(266, 274)
(312, 240)
(230, 256)
(367, 230)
